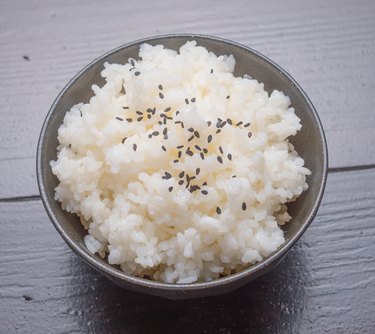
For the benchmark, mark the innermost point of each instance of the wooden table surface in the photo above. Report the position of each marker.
(327, 282)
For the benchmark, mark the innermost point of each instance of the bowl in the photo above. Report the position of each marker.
(309, 142)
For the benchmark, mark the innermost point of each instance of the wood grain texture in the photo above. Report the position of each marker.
(325, 285)
(328, 48)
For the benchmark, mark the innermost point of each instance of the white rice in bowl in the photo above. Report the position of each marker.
(179, 170)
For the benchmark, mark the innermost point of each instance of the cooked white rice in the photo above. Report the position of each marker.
(122, 173)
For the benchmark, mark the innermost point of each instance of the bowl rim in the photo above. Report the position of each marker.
(111, 271)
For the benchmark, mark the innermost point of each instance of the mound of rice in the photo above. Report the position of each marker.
(179, 170)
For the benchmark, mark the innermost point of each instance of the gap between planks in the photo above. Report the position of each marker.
(330, 171)
(350, 169)
(20, 199)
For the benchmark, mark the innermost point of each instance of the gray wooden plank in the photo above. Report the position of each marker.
(326, 283)
(328, 48)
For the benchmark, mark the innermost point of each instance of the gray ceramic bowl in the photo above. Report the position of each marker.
(309, 142)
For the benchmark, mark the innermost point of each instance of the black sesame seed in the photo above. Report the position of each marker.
(165, 131)
(204, 183)
(191, 138)
(168, 175)
(198, 147)
(186, 101)
(195, 187)
(160, 87)
(220, 159)
(177, 113)
(129, 120)
(170, 189)
(134, 147)
(80, 112)
(197, 171)
(119, 119)
(163, 115)
(179, 154)
(212, 70)
(161, 95)
(182, 124)
(160, 122)
(196, 134)
(132, 62)
(179, 122)
(125, 107)
(223, 124)
(133, 68)
(123, 139)
(139, 119)
(221, 150)
(153, 111)
(218, 210)
(239, 123)
(228, 97)
(165, 137)
(180, 146)
(209, 138)
(150, 135)
(175, 161)
(137, 73)
(193, 99)
(189, 152)
(204, 192)
(246, 125)
(163, 148)
(205, 151)
(191, 130)
(149, 110)
(139, 112)
(148, 116)
(249, 134)
(218, 123)
(167, 109)
(233, 176)
(243, 206)
(218, 131)
(168, 117)
(181, 175)
(164, 121)
(209, 123)
(181, 182)
(229, 121)
(229, 156)
(202, 155)
(155, 133)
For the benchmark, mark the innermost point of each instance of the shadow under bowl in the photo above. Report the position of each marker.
(309, 142)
